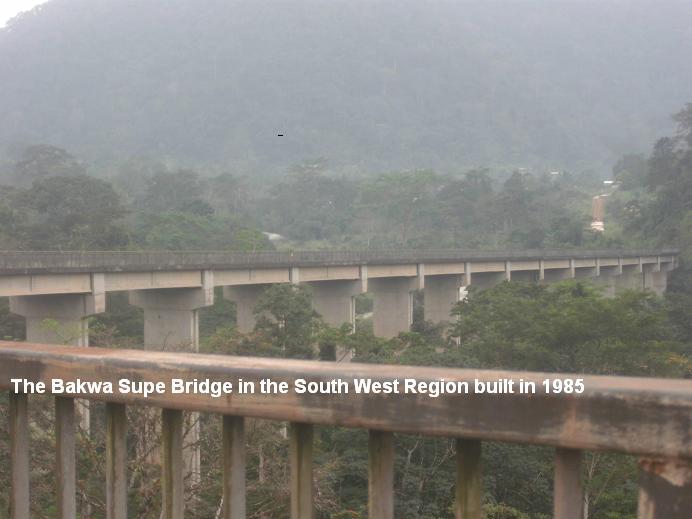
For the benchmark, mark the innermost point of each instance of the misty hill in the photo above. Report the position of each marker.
(366, 85)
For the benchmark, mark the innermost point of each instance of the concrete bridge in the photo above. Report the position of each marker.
(67, 287)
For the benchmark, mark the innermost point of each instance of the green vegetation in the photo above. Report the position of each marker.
(146, 205)
(311, 208)
(569, 328)
(170, 210)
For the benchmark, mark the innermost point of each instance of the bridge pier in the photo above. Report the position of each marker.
(171, 322)
(61, 319)
(171, 319)
(392, 305)
(614, 279)
(334, 300)
(67, 312)
(245, 298)
(439, 295)
(655, 279)
(606, 280)
(631, 278)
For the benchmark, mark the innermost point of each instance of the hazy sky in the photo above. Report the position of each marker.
(10, 8)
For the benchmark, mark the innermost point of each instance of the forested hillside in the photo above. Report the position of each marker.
(53, 203)
(370, 86)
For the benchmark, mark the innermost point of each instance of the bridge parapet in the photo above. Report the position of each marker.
(20, 262)
(647, 418)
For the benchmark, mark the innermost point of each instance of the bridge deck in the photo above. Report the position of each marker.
(17, 262)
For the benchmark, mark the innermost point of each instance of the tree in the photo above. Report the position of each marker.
(514, 201)
(40, 161)
(402, 203)
(11, 220)
(178, 192)
(568, 327)
(286, 320)
(189, 231)
(670, 180)
(631, 171)
(134, 175)
(465, 207)
(227, 194)
(310, 205)
(73, 212)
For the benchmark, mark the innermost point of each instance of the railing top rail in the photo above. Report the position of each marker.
(104, 261)
(634, 415)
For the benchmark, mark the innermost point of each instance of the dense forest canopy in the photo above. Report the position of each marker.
(367, 85)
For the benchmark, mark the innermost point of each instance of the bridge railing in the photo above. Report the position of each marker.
(36, 261)
(648, 418)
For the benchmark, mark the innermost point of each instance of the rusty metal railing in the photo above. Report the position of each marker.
(648, 418)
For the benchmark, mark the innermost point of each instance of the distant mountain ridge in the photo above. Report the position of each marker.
(368, 85)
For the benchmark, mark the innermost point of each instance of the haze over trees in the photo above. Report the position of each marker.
(370, 86)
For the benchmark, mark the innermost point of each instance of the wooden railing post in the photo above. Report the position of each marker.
(381, 475)
(469, 489)
(665, 489)
(116, 461)
(19, 455)
(65, 469)
(172, 467)
(301, 437)
(568, 497)
(233, 434)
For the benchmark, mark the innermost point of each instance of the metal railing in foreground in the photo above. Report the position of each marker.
(648, 418)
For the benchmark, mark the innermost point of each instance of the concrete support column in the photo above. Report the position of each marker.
(629, 279)
(171, 316)
(606, 280)
(392, 304)
(171, 321)
(334, 300)
(440, 294)
(245, 298)
(61, 319)
(58, 319)
(655, 281)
